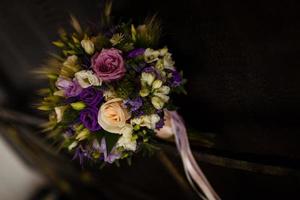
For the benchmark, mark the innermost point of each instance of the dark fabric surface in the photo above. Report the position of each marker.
(242, 64)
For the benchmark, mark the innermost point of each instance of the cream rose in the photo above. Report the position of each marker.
(113, 115)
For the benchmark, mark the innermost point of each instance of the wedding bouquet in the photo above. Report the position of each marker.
(110, 91)
(109, 95)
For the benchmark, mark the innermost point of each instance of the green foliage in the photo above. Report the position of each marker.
(126, 87)
(148, 34)
(110, 138)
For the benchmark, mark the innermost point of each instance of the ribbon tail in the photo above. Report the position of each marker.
(192, 170)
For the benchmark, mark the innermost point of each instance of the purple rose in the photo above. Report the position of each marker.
(70, 88)
(91, 96)
(108, 64)
(88, 117)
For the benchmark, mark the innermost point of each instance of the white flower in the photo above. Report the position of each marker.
(87, 78)
(163, 97)
(157, 102)
(151, 55)
(168, 61)
(156, 84)
(71, 61)
(109, 94)
(88, 46)
(144, 92)
(113, 115)
(160, 65)
(163, 51)
(148, 121)
(126, 141)
(147, 78)
(163, 90)
(72, 145)
(59, 111)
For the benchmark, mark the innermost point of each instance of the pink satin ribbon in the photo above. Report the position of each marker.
(192, 170)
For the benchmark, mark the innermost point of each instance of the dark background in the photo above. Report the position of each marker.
(242, 63)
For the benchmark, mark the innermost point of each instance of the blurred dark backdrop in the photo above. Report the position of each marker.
(241, 60)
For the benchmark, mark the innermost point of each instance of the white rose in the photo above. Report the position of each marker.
(88, 46)
(87, 78)
(113, 115)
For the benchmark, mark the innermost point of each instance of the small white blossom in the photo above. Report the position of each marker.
(163, 51)
(87, 78)
(156, 84)
(157, 102)
(144, 92)
(163, 90)
(126, 140)
(71, 61)
(147, 78)
(88, 46)
(148, 121)
(72, 145)
(168, 61)
(151, 55)
(109, 94)
(59, 111)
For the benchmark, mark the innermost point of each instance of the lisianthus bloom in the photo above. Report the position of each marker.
(113, 115)
(91, 96)
(109, 64)
(88, 117)
(87, 78)
(70, 88)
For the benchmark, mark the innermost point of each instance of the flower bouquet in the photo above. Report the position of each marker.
(109, 94)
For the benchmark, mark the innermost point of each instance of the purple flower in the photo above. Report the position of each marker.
(88, 117)
(109, 64)
(91, 96)
(81, 154)
(70, 88)
(135, 53)
(109, 157)
(176, 79)
(134, 104)
(161, 122)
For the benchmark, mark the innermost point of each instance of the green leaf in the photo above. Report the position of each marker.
(111, 140)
